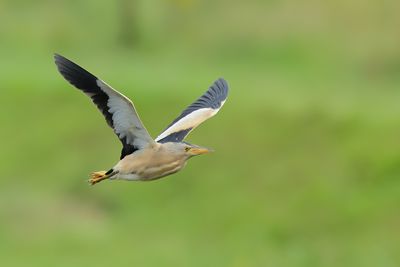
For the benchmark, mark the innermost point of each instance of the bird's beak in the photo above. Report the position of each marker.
(200, 150)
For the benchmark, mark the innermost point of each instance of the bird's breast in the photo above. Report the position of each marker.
(148, 165)
(158, 171)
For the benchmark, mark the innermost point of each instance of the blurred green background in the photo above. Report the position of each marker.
(307, 163)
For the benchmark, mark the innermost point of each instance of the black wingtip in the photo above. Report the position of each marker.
(75, 74)
(222, 83)
(59, 59)
(220, 88)
(222, 79)
(62, 61)
(56, 55)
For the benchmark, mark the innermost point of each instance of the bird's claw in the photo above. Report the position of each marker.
(97, 177)
(94, 181)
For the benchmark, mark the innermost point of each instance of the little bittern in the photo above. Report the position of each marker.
(143, 158)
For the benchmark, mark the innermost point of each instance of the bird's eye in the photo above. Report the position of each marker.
(187, 149)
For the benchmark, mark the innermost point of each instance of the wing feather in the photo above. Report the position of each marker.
(117, 109)
(200, 110)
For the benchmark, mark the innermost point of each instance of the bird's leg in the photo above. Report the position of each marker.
(99, 176)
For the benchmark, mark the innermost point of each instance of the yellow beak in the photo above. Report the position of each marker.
(199, 150)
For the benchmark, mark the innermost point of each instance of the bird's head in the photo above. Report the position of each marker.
(186, 149)
(194, 150)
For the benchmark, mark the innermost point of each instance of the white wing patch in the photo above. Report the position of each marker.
(191, 120)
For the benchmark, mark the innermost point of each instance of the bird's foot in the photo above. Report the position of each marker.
(97, 177)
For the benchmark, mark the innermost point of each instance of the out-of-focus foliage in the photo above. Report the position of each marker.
(307, 164)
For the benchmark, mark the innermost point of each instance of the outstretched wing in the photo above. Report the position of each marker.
(202, 109)
(117, 109)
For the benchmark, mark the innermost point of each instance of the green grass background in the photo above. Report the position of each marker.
(307, 164)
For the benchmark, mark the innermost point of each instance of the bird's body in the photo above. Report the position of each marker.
(145, 164)
(153, 163)
(143, 158)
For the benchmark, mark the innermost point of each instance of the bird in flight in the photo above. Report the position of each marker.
(142, 158)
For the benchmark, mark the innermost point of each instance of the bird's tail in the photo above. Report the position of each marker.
(96, 177)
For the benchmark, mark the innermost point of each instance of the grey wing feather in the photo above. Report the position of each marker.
(117, 109)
